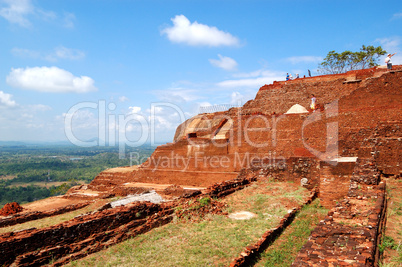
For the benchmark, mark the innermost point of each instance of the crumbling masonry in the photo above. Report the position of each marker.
(339, 152)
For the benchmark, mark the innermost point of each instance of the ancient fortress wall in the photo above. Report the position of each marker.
(339, 152)
(360, 116)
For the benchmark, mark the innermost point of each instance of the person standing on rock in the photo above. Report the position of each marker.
(313, 102)
(388, 61)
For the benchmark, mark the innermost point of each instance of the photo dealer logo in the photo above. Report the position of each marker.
(113, 129)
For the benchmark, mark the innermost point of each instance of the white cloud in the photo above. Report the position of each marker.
(85, 119)
(163, 117)
(35, 126)
(236, 98)
(166, 117)
(25, 53)
(21, 122)
(391, 45)
(59, 52)
(20, 11)
(397, 16)
(39, 107)
(134, 110)
(204, 104)
(16, 11)
(254, 79)
(257, 82)
(45, 15)
(82, 125)
(123, 99)
(69, 19)
(304, 59)
(249, 74)
(49, 79)
(5, 100)
(177, 95)
(68, 53)
(225, 63)
(196, 34)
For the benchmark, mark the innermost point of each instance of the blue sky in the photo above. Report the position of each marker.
(126, 70)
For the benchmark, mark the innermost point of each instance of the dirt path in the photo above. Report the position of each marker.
(160, 186)
(50, 203)
(7, 177)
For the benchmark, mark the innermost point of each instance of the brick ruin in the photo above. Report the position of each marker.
(361, 112)
(10, 209)
(339, 152)
(35, 215)
(350, 233)
(341, 149)
(94, 231)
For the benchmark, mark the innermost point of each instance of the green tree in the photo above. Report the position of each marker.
(335, 63)
(368, 56)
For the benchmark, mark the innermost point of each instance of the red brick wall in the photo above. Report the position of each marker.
(362, 112)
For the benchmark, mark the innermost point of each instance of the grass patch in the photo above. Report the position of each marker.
(387, 242)
(284, 250)
(215, 241)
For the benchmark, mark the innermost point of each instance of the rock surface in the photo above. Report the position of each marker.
(10, 209)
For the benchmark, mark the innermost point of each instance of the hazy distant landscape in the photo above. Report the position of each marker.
(30, 172)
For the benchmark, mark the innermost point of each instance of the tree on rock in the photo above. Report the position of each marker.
(335, 63)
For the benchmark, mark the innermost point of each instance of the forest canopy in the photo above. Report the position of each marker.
(29, 173)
